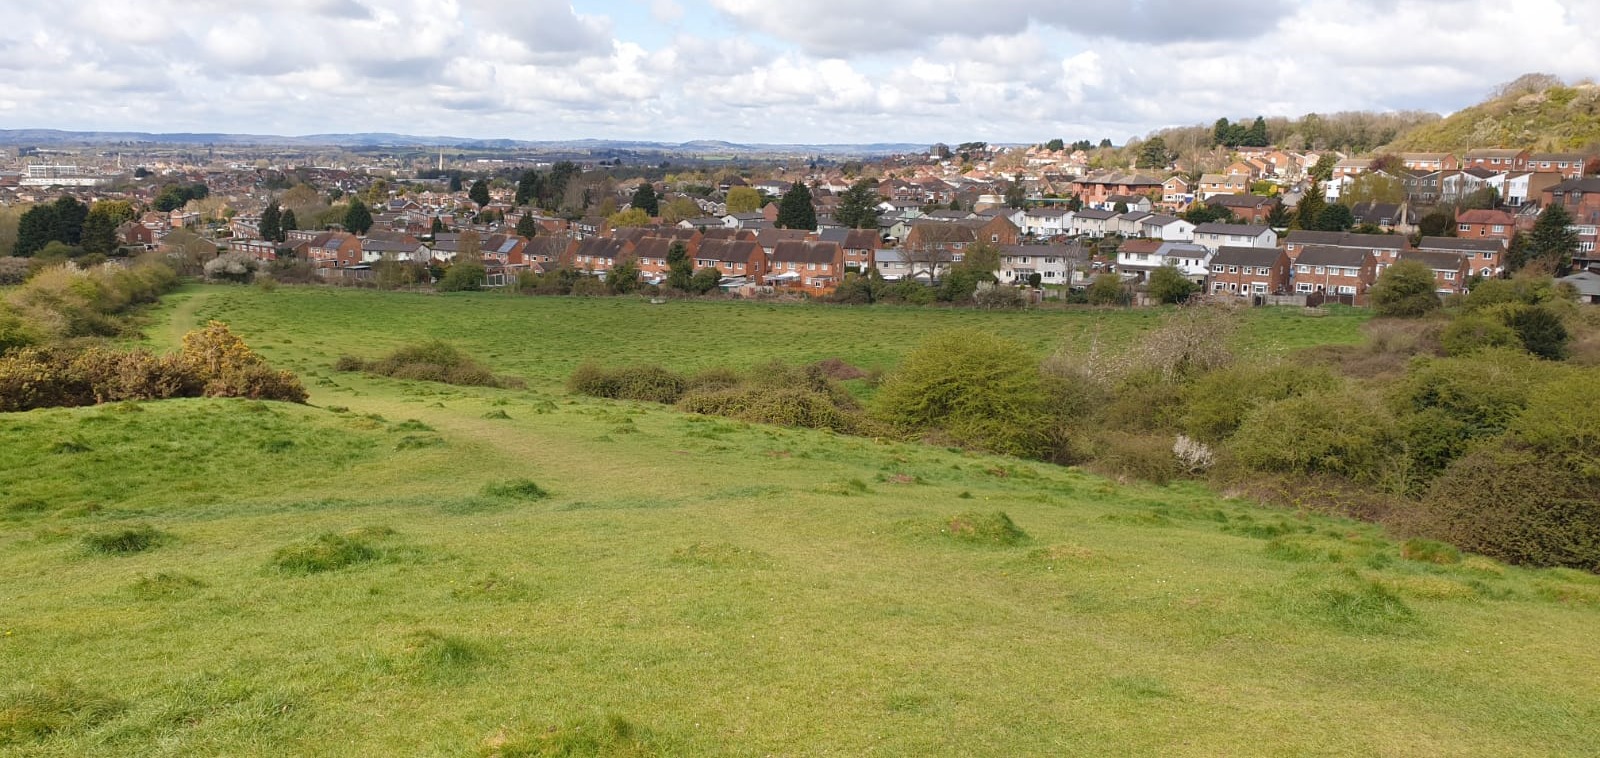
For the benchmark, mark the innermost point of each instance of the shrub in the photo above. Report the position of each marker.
(125, 541)
(1342, 432)
(463, 276)
(1405, 290)
(231, 267)
(230, 368)
(327, 552)
(1540, 330)
(1142, 457)
(13, 271)
(1473, 332)
(1168, 285)
(995, 528)
(979, 389)
(1000, 297)
(432, 361)
(1446, 404)
(794, 406)
(652, 384)
(1216, 403)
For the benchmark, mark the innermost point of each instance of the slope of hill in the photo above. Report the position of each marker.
(1555, 117)
(374, 574)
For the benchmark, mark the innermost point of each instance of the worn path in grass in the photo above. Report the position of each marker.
(692, 586)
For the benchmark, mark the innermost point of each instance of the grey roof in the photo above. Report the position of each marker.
(1459, 245)
(1434, 260)
(1586, 282)
(1095, 215)
(1233, 255)
(1347, 257)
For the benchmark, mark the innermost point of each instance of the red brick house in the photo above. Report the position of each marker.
(1385, 248)
(860, 245)
(733, 258)
(1485, 224)
(1484, 257)
(813, 267)
(1568, 165)
(1250, 209)
(1335, 271)
(1497, 160)
(1429, 161)
(334, 250)
(597, 254)
(1248, 271)
(651, 255)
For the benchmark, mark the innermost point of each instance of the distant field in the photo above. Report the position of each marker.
(543, 339)
(693, 586)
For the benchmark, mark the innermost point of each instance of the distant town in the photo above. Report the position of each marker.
(1261, 223)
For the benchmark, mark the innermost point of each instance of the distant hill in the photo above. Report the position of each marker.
(1536, 111)
(57, 137)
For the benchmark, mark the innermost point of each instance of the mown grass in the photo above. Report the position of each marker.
(704, 587)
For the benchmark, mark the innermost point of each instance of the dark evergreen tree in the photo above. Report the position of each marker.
(858, 206)
(680, 269)
(527, 226)
(357, 219)
(1335, 217)
(479, 193)
(34, 230)
(271, 222)
(1309, 210)
(645, 199)
(1257, 136)
(1552, 240)
(1016, 195)
(796, 210)
(455, 183)
(68, 216)
(529, 186)
(1279, 216)
(288, 224)
(99, 232)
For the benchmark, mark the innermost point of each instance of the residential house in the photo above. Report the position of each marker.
(1587, 285)
(859, 245)
(1335, 271)
(1094, 190)
(1429, 161)
(734, 258)
(1497, 160)
(1127, 224)
(334, 250)
(1055, 264)
(262, 251)
(650, 254)
(1176, 192)
(1249, 209)
(1249, 271)
(1137, 258)
(893, 265)
(1568, 165)
(768, 239)
(1133, 203)
(1386, 216)
(1450, 271)
(1166, 228)
(1091, 223)
(394, 246)
(813, 267)
(1214, 185)
(1047, 222)
(1384, 248)
(1581, 198)
(1214, 236)
(1485, 257)
(1350, 168)
(1485, 224)
(596, 255)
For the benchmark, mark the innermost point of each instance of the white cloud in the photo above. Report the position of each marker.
(757, 70)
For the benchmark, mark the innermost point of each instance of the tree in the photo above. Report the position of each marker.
(357, 219)
(378, 192)
(1222, 133)
(1309, 210)
(623, 276)
(705, 280)
(1323, 169)
(437, 227)
(632, 217)
(858, 206)
(743, 200)
(529, 186)
(1154, 154)
(1107, 289)
(1279, 216)
(1257, 136)
(35, 229)
(1120, 208)
(527, 226)
(1552, 240)
(1540, 330)
(1335, 217)
(99, 232)
(644, 198)
(1056, 145)
(680, 269)
(271, 222)
(796, 210)
(68, 215)
(1169, 285)
(479, 193)
(1374, 188)
(1405, 290)
(1437, 224)
(286, 224)
(1016, 195)
(464, 275)
(680, 209)
(455, 183)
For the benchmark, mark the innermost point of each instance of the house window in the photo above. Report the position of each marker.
(994, 238)
(1233, 269)
(1347, 290)
(1259, 288)
(1303, 269)
(1219, 268)
(1216, 286)
(1464, 228)
(1499, 228)
(1450, 276)
(1487, 256)
(1319, 269)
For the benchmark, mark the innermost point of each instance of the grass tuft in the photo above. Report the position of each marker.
(1345, 601)
(975, 528)
(613, 737)
(35, 713)
(516, 489)
(445, 658)
(1429, 551)
(720, 555)
(325, 552)
(165, 586)
(125, 541)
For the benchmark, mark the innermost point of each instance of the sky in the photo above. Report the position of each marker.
(767, 71)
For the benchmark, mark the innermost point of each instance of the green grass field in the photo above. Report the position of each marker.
(373, 575)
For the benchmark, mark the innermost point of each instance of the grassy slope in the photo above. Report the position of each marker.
(1559, 119)
(730, 589)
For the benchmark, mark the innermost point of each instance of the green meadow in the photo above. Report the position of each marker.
(404, 568)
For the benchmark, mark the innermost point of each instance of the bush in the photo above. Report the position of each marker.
(652, 384)
(229, 368)
(1216, 403)
(63, 301)
(1000, 297)
(1343, 432)
(1473, 332)
(979, 389)
(433, 361)
(1142, 457)
(1540, 330)
(13, 271)
(1168, 285)
(327, 552)
(516, 489)
(1405, 290)
(231, 267)
(463, 276)
(793, 406)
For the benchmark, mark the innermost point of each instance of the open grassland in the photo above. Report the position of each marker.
(416, 569)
